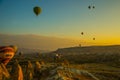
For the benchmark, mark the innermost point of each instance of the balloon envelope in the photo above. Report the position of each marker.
(37, 10)
(82, 33)
(89, 7)
(93, 38)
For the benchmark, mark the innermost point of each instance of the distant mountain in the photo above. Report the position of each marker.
(90, 50)
(31, 41)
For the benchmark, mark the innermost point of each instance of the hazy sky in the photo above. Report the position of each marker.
(63, 18)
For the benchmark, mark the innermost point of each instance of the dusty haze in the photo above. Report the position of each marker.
(36, 41)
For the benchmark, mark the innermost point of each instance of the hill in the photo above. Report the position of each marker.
(92, 54)
(31, 41)
(90, 50)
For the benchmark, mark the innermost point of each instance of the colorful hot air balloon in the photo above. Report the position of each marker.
(37, 10)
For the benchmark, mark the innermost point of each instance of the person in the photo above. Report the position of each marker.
(6, 54)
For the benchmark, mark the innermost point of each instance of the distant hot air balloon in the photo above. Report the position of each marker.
(93, 7)
(89, 7)
(82, 33)
(93, 38)
(37, 10)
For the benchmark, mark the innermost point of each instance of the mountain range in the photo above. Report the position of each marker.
(31, 41)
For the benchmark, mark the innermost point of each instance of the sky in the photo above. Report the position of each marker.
(64, 19)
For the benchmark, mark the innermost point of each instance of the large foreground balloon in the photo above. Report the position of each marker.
(37, 10)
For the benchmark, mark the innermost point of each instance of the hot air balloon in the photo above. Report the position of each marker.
(37, 10)
(93, 7)
(93, 38)
(82, 33)
(89, 7)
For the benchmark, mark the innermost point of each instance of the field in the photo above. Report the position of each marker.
(79, 66)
